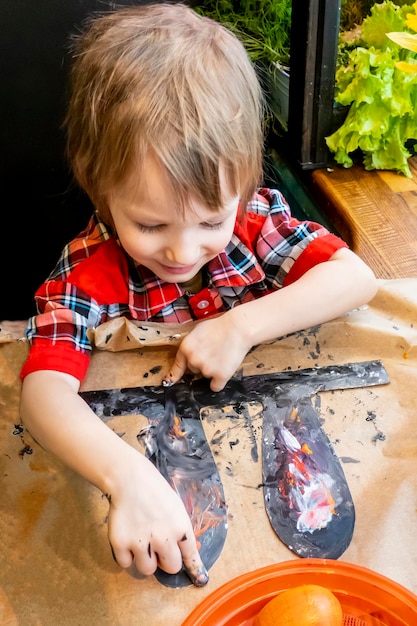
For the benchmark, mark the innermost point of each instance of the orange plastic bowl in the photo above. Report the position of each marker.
(367, 598)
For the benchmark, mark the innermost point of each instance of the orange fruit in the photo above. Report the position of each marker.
(304, 605)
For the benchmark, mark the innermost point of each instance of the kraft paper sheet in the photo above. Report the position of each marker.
(56, 565)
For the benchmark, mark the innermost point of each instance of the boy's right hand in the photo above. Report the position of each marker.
(148, 523)
(149, 526)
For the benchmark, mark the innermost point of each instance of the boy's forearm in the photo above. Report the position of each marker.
(59, 420)
(326, 291)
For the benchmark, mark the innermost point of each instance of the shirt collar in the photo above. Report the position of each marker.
(236, 266)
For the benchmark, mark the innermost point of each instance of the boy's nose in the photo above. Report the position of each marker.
(183, 251)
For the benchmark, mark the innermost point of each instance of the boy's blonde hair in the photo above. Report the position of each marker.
(160, 77)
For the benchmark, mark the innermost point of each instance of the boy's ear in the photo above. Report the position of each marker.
(103, 213)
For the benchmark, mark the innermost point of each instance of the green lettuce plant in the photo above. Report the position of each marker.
(381, 123)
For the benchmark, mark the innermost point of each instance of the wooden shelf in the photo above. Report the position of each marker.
(375, 212)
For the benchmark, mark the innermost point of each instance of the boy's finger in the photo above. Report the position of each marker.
(217, 383)
(196, 571)
(177, 371)
(192, 562)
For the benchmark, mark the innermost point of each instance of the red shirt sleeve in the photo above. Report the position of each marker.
(317, 251)
(59, 357)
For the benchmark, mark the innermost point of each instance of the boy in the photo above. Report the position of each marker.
(164, 131)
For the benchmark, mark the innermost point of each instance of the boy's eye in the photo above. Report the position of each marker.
(213, 226)
(157, 227)
(149, 229)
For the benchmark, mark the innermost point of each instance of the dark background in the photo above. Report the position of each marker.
(41, 208)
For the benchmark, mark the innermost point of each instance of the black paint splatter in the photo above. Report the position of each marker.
(26, 450)
(242, 409)
(19, 430)
(378, 437)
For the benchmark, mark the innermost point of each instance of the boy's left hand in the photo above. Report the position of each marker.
(215, 348)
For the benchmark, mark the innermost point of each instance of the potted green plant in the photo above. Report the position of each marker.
(264, 28)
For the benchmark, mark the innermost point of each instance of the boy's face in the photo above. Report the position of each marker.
(173, 243)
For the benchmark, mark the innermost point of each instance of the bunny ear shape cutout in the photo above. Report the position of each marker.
(178, 447)
(306, 494)
(405, 40)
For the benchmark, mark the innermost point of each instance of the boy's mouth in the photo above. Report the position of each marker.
(178, 270)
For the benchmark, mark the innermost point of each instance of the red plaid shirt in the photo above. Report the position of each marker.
(95, 281)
